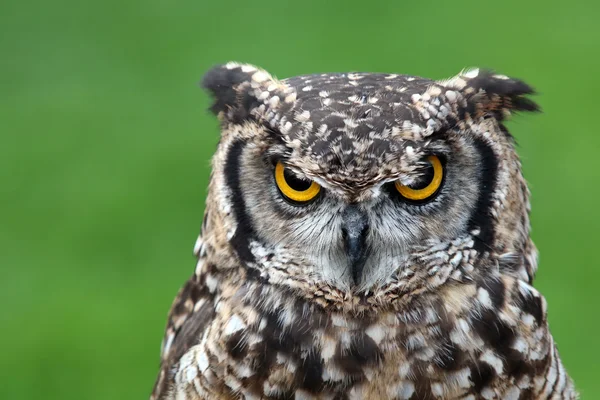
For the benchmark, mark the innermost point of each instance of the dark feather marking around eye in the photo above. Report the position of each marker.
(481, 217)
(244, 232)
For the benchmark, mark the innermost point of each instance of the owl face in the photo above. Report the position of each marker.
(344, 180)
(356, 235)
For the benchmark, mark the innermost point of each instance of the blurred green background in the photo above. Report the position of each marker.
(105, 147)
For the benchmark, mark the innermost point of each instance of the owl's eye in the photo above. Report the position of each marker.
(427, 185)
(294, 189)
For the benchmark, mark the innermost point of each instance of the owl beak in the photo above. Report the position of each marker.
(355, 228)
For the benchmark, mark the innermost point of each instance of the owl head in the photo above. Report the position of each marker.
(359, 183)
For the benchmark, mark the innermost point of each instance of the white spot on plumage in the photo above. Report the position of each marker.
(406, 390)
(484, 297)
(231, 382)
(403, 370)
(435, 91)
(415, 341)
(333, 374)
(493, 360)
(168, 343)
(339, 320)
(488, 394)
(520, 345)
(211, 282)
(462, 378)
(260, 76)
(290, 98)
(527, 319)
(303, 116)
(472, 73)
(512, 393)
(202, 361)
(248, 395)
(303, 395)
(244, 371)
(461, 334)
(375, 332)
(286, 127)
(234, 324)
(191, 373)
(248, 68)
(328, 348)
(437, 389)
(350, 123)
(199, 304)
(451, 96)
(197, 246)
(232, 65)
(186, 360)
(274, 101)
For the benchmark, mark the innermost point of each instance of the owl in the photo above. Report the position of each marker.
(366, 236)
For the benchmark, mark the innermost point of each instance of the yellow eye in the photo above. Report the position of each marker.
(428, 185)
(294, 189)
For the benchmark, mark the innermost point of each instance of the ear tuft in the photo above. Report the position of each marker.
(235, 88)
(486, 92)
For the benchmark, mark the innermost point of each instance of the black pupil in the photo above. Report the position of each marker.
(425, 179)
(299, 185)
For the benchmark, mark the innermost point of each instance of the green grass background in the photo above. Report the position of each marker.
(105, 146)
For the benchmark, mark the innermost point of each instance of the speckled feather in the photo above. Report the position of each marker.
(450, 314)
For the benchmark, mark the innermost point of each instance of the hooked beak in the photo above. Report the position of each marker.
(355, 228)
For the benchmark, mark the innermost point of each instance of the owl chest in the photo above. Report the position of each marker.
(318, 356)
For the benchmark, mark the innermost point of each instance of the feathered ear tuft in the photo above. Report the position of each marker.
(236, 89)
(485, 92)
